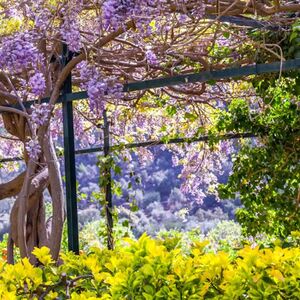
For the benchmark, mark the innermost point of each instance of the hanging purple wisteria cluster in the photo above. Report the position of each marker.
(33, 149)
(18, 53)
(99, 88)
(37, 84)
(40, 114)
(117, 12)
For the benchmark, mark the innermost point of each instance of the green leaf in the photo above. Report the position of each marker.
(118, 191)
(171, 110)
(268, 280)
(226, 34)
(293, 35)
(147, 296)
(149, 289)
(163, 128)
(125, 223)
(117, 170)
(148, 270)
(134, 208)
(190, 116)
(211, 82)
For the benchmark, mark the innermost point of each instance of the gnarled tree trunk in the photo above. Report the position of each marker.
(28, 225)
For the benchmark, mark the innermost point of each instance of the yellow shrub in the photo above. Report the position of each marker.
(145, 269)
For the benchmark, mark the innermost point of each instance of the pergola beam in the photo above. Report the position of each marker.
(150, 143)
(205, 76)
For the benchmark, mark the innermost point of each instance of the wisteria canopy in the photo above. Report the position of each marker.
(113, 42)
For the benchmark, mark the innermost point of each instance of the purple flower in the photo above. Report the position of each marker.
(33, 148)
(40, 114)
(42, 19)
(37, 84)
(18, 53)
(71, 34)
(151, 58)
(99, 88)
(225, 147)
(116, 12)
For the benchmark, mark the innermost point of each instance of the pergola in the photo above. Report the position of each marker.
(67, 97)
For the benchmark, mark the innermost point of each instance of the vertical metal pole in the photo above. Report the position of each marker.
(69, 156)
(108, 192)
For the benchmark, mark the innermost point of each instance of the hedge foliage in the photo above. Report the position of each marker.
(145, 269)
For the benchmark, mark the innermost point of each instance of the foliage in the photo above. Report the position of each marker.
(226, 235)
(145, 269)
(266, 170)
(94, 234)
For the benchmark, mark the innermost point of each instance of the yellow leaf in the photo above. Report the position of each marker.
(200, 245)
(9, 296)
(51, 295)
(256, 278)
(277, 275)
(43, 255)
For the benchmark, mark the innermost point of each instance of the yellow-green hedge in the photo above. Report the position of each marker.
(145, 269)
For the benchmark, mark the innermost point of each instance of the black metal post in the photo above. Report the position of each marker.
(108, 191)
(69, 155)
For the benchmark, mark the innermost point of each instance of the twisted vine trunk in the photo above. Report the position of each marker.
(28, 225)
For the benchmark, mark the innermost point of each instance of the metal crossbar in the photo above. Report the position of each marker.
(150, 143)
(246, 22)
(205, 76)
